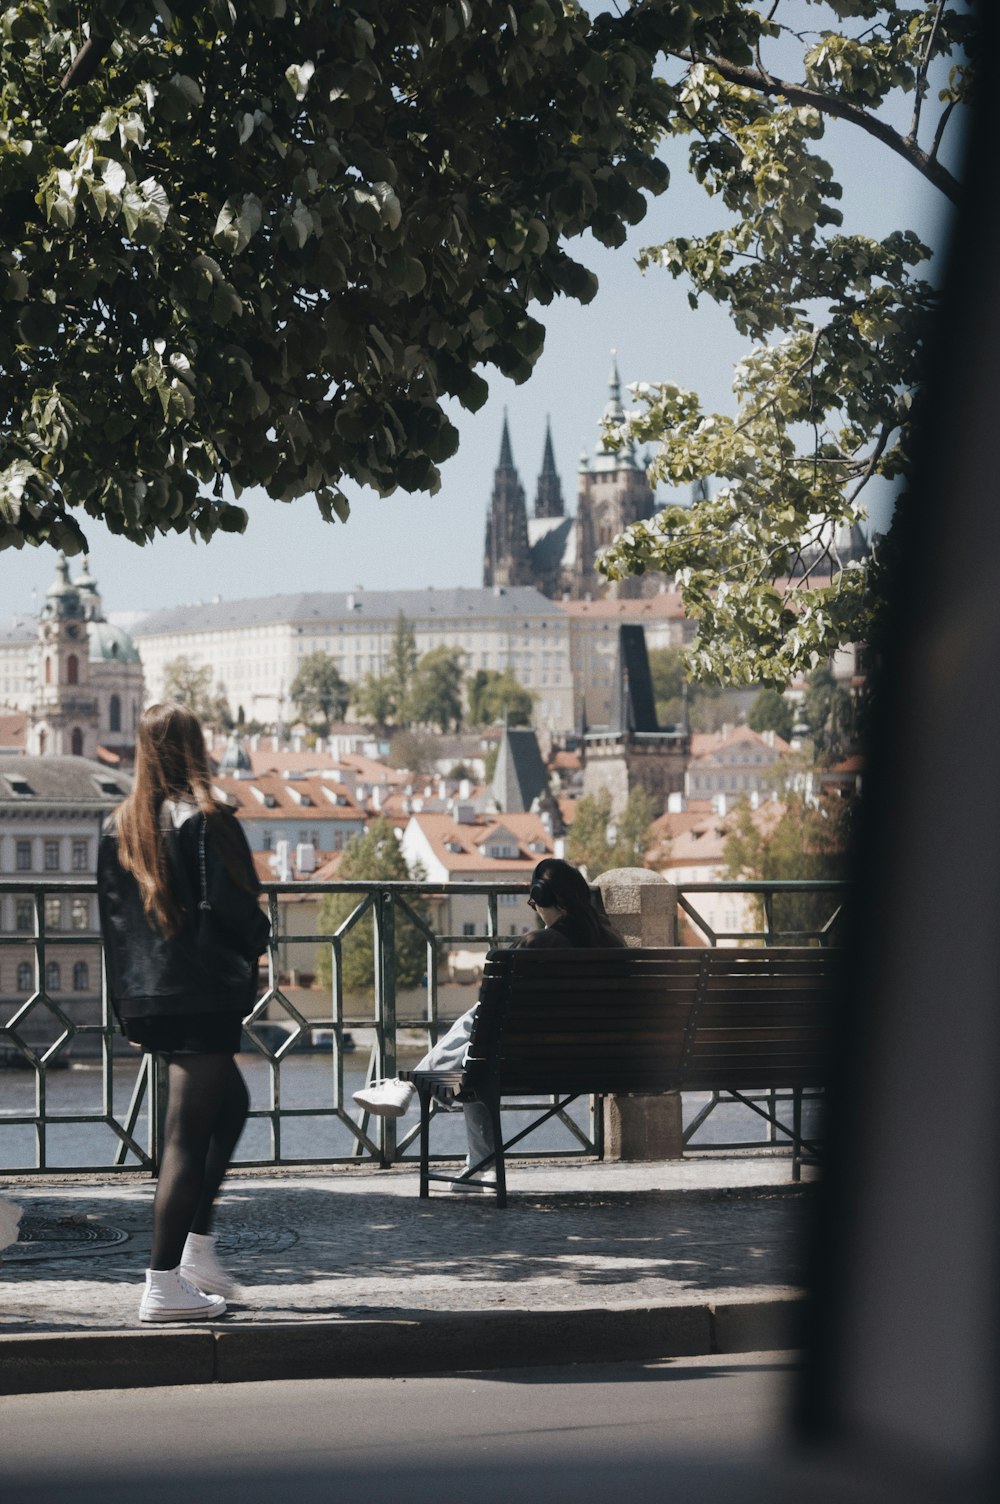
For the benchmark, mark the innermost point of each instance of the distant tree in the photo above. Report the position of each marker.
(383, 698)
(374, 701)
(707, 707)
(372, 855)
(597, 841)
(190, 685)
(493, 694)
(458, 771)
(402, 663)
(435, 697)
(829, 711)
(770, 711)
(318, 691)
(410, 750)
(809, 840)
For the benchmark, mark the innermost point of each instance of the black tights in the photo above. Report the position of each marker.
(207, 1104)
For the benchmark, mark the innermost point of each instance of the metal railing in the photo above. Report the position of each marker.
(83, 1100)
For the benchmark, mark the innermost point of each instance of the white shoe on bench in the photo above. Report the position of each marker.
(385, 1099)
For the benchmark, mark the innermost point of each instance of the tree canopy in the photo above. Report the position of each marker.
(372, 855)
(318, 692)
(435, 697)
(599, 841)
(494, 694)
(260, 244)
(809, 839)
(837, 316)
(190, 685)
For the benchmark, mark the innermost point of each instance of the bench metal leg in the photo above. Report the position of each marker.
(498, 1161)
(797, 1129)
(423, 1092)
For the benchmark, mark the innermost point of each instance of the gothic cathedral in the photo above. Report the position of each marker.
(552, 551)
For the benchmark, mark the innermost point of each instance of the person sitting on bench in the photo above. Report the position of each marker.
(562, 899)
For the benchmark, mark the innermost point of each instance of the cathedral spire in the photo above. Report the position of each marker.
(507, 556)
(549, 497)
(506, 460)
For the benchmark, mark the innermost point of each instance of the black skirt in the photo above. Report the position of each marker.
(187, 1033)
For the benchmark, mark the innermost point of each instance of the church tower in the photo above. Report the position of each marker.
(613, 492)
(549, 497)
(63, 718)
(507, 559)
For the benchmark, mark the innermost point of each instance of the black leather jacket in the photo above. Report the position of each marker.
(150, 975)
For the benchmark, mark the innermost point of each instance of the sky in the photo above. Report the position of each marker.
(413, 541)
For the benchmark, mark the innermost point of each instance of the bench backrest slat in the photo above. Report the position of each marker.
(645, 1019)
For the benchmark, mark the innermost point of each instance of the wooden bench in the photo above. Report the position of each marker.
(569, 1023)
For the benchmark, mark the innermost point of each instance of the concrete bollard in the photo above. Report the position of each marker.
(642, 906)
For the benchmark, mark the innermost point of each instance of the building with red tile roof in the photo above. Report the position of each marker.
(736, 762)
(470, 847)
(303, 811)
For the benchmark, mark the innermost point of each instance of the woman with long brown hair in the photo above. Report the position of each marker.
(183, 931)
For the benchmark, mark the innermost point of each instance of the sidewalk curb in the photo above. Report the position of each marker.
(407, 1343)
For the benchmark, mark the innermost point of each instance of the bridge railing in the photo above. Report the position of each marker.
(75, 1096)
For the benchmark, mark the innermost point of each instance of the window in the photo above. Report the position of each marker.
(79, 914)
(81, 977)
(22, 856)
(53, 977)
(468, 928)
(24, 914)
(76, 742)
(266, 841)
(53, 913)
(508, 900)
(52, 856)
(25, 977)
(81, 856)
(72, 669)
(115, 713)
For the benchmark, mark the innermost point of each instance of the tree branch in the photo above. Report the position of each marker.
(829, 104)
(920, 83)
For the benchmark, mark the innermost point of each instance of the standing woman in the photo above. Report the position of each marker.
(183, 931)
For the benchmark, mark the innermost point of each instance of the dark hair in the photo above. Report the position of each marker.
(557, 885)
(170, 763)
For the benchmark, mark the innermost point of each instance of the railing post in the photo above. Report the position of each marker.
(384, 939)
(642, 906)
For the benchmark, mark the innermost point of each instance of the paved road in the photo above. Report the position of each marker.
(632, 1432)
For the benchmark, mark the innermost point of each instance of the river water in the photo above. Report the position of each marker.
(306, 1084)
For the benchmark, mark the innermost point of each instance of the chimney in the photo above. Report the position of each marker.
(465, 814)
(464, 788)
(283, 870)
(305, 856)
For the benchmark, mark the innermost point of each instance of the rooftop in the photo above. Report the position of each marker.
(314, 607)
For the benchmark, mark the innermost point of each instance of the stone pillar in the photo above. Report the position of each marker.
(642, 906)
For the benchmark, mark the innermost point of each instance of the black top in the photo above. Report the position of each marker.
(567, 933)
(150, 975)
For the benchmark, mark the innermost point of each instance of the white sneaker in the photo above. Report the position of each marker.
(386, 1099)
(485, 1184)
(200, 1265)
(168, 1296)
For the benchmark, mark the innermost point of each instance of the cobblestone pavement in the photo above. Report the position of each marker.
(316, 1246)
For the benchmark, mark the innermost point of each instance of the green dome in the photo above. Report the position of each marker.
(110, 644)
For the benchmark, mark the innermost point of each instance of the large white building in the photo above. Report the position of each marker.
(254, 647)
